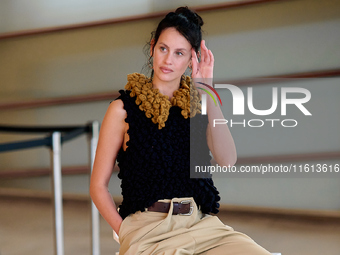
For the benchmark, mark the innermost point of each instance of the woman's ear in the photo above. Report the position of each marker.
(152, 46)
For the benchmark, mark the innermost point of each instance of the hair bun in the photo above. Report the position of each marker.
(190, 15)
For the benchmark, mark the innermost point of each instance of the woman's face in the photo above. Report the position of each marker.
(171, 56)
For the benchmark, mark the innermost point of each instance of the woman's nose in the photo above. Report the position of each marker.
(168, 59)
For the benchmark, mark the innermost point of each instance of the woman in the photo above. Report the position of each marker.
(148, 130)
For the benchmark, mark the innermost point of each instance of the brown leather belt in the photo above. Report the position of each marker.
(181, 208)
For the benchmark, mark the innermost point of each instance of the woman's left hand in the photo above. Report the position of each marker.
(203, 69)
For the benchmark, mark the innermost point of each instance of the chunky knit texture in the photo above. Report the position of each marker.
(156, 105)
(156, 164)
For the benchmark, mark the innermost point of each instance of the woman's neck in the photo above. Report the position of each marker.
(166, 88)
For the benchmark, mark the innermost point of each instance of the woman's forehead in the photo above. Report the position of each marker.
(171, 38)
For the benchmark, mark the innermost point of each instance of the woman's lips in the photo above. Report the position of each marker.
(166, 70)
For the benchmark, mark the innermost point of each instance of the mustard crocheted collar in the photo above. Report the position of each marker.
(156, 105)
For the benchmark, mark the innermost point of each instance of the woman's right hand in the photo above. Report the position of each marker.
(205, 68)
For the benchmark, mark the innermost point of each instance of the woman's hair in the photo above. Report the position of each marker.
(187, 22)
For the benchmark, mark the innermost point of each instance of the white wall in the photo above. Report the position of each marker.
(17, 15)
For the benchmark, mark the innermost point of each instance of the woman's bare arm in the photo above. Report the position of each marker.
(111, 137)
(219, 139)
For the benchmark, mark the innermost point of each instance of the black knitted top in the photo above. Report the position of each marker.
(156, 164)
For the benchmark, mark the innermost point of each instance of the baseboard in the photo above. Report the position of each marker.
(45, 195)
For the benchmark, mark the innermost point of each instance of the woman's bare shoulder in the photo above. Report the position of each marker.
(115, 114)
(116, 107)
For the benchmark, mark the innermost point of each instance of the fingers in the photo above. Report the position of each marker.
(203, 51)
(204, 68)
(194, 61)
(207, 56)
(194, 55)
(212, 60)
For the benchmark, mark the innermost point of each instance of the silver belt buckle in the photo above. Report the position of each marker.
(191, 207)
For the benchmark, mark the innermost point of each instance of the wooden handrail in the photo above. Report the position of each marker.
(317, 156)
(282, 77)
(106, 22)
(37, 103)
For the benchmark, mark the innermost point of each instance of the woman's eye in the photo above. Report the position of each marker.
(179, 53)
(163, 49)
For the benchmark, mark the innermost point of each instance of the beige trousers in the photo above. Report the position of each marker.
(163, 233)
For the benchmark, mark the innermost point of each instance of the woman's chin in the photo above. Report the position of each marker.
(167, 77)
